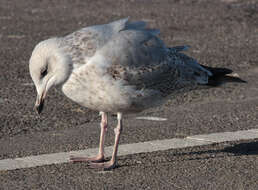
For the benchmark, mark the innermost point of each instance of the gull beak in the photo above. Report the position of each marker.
(39, 103)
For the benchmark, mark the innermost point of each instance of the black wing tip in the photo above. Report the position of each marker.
(221, 75)
(218, 71)
(218, 81)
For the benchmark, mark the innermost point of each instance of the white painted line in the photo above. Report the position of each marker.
(126, 149)
(227, 136)
(14, 36)
(28, 84)
(152, 118)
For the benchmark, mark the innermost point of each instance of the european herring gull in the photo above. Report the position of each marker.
(120, 67)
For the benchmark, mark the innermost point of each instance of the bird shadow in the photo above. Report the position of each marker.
(241, 149)
(249, 148)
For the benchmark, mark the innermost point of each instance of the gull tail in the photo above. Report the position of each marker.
(220, 76)
(191, 70)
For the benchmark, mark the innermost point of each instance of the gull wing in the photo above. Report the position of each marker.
(81, 45)
(137, 57)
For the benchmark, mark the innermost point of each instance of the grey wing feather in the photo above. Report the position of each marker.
(135, 25)
(138, 57)
(81, 45)
(134, 48)
(141, 58)
(177, 49)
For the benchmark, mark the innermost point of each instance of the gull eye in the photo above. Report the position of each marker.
(43, 73)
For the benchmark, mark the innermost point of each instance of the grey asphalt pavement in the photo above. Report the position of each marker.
(221, 33)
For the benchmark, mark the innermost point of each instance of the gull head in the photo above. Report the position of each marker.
(49, 66)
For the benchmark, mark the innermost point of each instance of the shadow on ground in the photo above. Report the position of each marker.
(246, 148)
(250, 148)
(210, 152)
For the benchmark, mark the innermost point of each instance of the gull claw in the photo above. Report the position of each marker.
(104, 165)
(96, 159)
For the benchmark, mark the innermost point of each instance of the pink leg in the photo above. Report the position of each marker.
(100, 156)
(112, 163)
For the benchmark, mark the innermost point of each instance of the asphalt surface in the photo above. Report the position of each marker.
(221, 33)
(224, 166)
